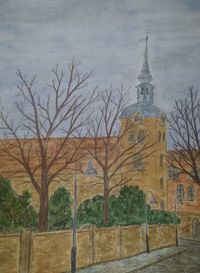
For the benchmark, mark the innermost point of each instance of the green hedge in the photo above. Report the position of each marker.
(128, 208)
(15, 210)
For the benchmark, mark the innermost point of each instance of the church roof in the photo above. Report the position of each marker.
(145, 108)
(145, 75)
(144, 105)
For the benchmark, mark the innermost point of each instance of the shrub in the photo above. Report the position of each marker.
(162, 217)
(16, 210)
(128, 208)
(91, 211)
(60, 215)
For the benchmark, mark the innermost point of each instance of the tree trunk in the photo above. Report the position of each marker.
(43, 211)
(106, 206)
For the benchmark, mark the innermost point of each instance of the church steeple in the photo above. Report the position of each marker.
(145, 88)
(145, 75)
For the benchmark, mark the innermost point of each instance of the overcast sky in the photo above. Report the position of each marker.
(106, 36)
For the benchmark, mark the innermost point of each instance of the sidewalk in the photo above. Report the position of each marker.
(131, 264)
(197, 239)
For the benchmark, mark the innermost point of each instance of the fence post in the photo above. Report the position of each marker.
(25, 251)
(120, 242)
(91, 249)
(143, 234)
(160, 237)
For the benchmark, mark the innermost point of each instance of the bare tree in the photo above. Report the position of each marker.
(185, 135)
(109, 147)
(30, 140)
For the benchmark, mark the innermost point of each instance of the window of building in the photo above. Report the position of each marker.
(162, 205)
(141, 136)
(90, 170)
(180, 193)
(190, 193)
(138, 162)
(164, 136)
(163, 118)
(161, 183)
(131, 137)
(197, 170)
(159, 136)
(173, 173)
(161, 159)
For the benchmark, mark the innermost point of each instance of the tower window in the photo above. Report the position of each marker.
(161, 159)
(161, 183)
(138, 162)
(141, 136)
(180, 193)
(131, 137)
(191, 193)
(163, 136)
(159, 136)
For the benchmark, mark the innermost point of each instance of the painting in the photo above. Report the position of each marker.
(99, 136)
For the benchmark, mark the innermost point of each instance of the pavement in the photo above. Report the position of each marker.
(184, 262)
(134, 263)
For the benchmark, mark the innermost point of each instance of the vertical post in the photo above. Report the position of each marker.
(176, 226)
(120, 243)
(147, 228)
(25, 251)
(92, 247)
(74, 239)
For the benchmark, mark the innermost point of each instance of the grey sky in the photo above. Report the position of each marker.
(106, 36)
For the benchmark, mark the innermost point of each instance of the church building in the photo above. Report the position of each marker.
(153, 177)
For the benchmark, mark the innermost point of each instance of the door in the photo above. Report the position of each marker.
(195, 227)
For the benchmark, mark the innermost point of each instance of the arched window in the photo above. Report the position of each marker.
(138, 162)
(159, 136)
(173, 173)
(180, 193)
(161, 159)
(162, 205)
(131, 137)
(163, 136)
(90, 170)
(190, 193)
(141, 136)
(161, 183)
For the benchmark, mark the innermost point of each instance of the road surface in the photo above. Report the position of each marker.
(186, 262)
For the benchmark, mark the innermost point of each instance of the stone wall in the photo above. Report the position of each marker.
(50, 252)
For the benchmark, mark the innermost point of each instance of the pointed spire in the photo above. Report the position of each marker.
(145, 75)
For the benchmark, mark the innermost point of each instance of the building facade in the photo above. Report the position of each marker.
(184, 199)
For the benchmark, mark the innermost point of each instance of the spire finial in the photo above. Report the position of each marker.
(147, 36)
(145, 75)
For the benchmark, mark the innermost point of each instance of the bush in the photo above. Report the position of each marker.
(15, 210)
(91, 211)
(60, 215)
(162, 217)
(128, 208)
